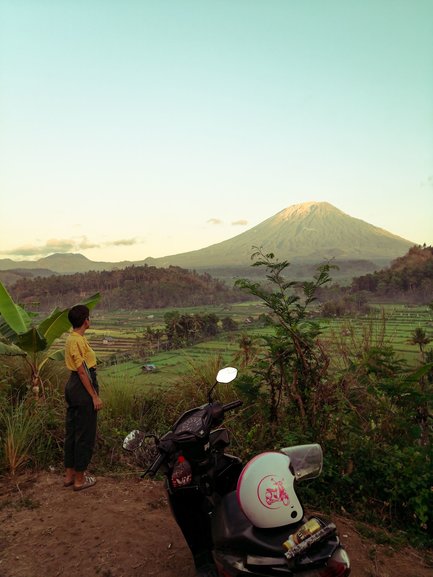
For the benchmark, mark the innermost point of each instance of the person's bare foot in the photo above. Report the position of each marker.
(69, 477)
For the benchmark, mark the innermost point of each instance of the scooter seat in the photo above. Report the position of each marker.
(231, 530)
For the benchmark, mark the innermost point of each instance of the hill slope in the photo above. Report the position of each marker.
(63, 264)
(140, 287)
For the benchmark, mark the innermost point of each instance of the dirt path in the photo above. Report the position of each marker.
(123, 528)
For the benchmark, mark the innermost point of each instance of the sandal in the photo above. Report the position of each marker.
(68, 483)
(88, 482)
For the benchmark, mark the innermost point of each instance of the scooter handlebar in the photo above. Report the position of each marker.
(153, 469)
(166, 446)
(232, 405)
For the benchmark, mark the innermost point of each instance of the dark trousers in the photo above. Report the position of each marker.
(80, 429)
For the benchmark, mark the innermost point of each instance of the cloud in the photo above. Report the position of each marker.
(123, 242)
(56, 245)
(84, 243)
(51, 245)
(240, 222)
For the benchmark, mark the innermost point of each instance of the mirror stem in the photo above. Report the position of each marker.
(209, 395)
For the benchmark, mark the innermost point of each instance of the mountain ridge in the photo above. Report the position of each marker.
(306, 233)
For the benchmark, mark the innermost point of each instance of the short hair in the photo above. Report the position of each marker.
(77, 315)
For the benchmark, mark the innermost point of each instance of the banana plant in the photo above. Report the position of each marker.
(23, 334)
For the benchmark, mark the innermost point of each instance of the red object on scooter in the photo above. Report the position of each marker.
(182, 473)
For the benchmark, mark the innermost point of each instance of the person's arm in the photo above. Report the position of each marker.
(87, 384)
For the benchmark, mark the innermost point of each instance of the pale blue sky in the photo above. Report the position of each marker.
(135, 128)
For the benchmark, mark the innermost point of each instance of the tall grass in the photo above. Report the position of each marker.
(127, 406)
(21, 426)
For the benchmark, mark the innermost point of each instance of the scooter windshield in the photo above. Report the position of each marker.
(306, 460)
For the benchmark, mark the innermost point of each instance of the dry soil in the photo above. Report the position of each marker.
(123, 528)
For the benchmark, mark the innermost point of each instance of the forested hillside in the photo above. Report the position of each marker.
(409, 277)
(129, 288)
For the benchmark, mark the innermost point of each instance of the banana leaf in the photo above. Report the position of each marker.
(32, 341)
(11, 350)
(57, 355)
(57, 323)
(6, 331)
(14, 315)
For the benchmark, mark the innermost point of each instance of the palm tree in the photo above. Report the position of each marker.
(420, 338)
(248, 350)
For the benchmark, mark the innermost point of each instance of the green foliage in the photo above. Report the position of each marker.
(409, 277)
(420, 338)
(293, 365)
(126, 407)
(20, 336)
(14, 319)
(186, 329)
(381, 481)
(367, 408)
(17, 435)
(135, 287)
(20, 426)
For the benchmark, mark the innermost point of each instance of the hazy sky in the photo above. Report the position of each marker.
(135, 128)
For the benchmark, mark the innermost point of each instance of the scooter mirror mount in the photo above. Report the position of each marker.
(226, 375)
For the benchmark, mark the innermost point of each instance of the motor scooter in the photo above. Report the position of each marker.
(242, 520)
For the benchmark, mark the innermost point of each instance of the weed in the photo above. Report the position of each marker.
(380, 536)
(27, 503)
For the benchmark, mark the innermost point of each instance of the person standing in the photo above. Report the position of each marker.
(83, 402)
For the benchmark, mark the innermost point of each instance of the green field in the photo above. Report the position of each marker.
(391, 323)
(114, 334)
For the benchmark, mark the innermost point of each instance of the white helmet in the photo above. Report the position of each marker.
(265, 491)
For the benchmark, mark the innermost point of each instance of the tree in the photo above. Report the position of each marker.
(248, 350)
(424, 413)
(23, 334)
(419, 337)
(295, 365)
(228, 324)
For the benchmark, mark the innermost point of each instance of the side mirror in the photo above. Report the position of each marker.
(226, 375)
(306, 460)
(133, 440)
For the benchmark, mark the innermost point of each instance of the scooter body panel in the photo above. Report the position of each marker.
(243, 549)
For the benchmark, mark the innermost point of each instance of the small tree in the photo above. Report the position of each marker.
(20, 336)
(419, 337)
(248, 350)
(295, 364)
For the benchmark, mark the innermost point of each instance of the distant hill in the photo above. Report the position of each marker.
(305, 234)
(409, 278)
(10, 277)
(135, 287)
(64, 264)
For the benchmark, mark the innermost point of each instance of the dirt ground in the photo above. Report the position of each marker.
(123, 528)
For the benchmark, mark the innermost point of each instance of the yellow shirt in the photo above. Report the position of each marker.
(77, 350)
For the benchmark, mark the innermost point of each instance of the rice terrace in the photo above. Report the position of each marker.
(116, 335)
